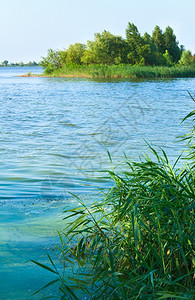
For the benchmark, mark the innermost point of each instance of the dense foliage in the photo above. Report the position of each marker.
(138, 242)
(159, 49)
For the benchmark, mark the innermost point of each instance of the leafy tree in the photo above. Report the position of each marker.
(62, 57)
(51, 62)
(171, 44)
(158, 39)
(146, 54)
(150, 52)
(135, 43)
(186, 58)
(5, 63)
(75, 53)
(105, 49)
(143, 50)
(168, 58)
(147, 38)
(31, 64)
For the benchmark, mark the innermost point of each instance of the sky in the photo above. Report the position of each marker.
(28, 28)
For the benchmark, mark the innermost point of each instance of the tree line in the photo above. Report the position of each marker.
(6, 63)
(159, 49)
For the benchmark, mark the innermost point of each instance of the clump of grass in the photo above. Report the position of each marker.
(29, 74)
(138, 242)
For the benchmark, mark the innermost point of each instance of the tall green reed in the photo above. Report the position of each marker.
(124, 71)
(136, 243)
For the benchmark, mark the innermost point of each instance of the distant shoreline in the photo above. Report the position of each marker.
(20, 66)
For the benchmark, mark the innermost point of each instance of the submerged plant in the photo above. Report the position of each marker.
(137, 243)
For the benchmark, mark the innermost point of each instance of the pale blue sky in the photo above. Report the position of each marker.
(28, 28)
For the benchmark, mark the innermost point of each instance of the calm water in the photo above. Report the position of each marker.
(54, 137)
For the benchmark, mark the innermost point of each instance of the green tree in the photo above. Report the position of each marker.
(158, 39)
(32, 64)
(171, 44)
(51, 62)
(168, 58)
(75, 53)
(150, 52)
(105, 49)
(186, 58)
(135, 43)
(5, 63)
(62, 57)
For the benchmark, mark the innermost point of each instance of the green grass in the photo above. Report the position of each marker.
(122, 71)
(136, 243)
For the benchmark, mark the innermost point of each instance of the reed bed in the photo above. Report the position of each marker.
(123, 71)
(136, 243)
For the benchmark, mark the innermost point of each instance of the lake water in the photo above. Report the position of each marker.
(54, 138)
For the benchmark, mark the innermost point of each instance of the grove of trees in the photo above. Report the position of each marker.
(159, 49)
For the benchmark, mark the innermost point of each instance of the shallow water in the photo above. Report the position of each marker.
(54, 137)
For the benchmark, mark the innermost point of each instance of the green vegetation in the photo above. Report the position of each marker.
(6, 63)
(137, 243)
(159, 49)
(123, 71)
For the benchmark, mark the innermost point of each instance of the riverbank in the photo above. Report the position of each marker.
(119, 71)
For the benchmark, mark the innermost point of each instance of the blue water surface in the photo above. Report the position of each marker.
(54, 138)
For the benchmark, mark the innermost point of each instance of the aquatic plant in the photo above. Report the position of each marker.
(136, 243)
(122, 71)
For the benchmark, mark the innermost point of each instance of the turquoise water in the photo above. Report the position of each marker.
(54, 137)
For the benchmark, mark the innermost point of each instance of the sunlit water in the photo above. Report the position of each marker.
(54, 138)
